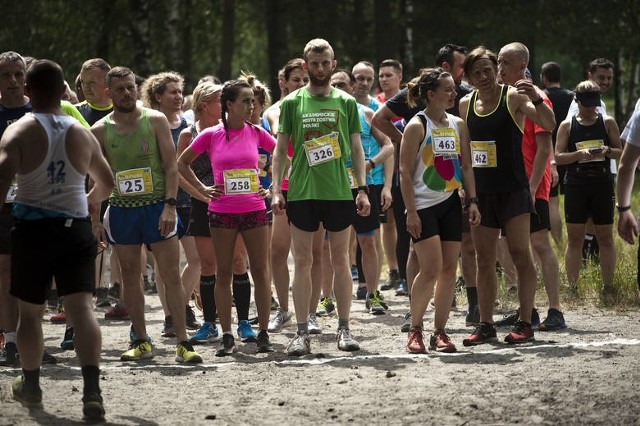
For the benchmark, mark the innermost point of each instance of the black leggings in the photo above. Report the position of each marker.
(402, 244)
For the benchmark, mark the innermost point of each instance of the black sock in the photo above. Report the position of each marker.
(91, 377)
(472, 297)
(31, 379)
(207, 284)
(242, 295)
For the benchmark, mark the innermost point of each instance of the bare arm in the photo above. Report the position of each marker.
(615, 145)
(202, 192)
(278, 165)
(9, 159)
(468, 177)
(383, 121)
(544, 146)
(167, 150)
(184, 140)
(413, 135)
(357, 160)
(627, 225)
(523, 95)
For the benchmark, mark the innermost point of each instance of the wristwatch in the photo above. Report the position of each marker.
(170, 201)
(537, 101)
(473, 200)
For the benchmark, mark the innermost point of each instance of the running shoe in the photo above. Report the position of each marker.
(30, 398)
(391, 282)
(168, 330)
(346, 342)
(511, 318)
(92, 408)
(361, 293)
(440, 342)
(61, 316)
(67, 340)
(415, 343)
(186, 353)
(354, 272)
(484, 333)
(406, 325)
(192, 323)
(473, 317)
(138, 350)
(9, 355)
(300, 345)
(313, 324)
(117, 313)
(149, 286)
(460, 284)
(325, 307)
(263, 342)
(553, 321)
(401, 287)
(520, 333)
(279, 320)
(374, 303)
(114, 292)
(274, 304)
(102, 297)
(227, 345)
(133, 336)
(245, 332)
(207, 333)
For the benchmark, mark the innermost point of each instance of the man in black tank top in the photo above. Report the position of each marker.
(495, 115)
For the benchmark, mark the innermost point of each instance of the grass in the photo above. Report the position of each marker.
(624, 295)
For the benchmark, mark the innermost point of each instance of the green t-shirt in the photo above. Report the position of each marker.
(136, 163)
(320, 129)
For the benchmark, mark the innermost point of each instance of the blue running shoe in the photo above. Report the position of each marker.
(401, 287)
(207, 333)
(245, 332)
(133, 337)
(67, 340)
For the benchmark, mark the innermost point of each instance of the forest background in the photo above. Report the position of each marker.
(223, 37)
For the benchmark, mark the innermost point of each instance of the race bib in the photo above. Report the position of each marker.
(240, 181)
(262, 160)
(445, 142)
(322, 149)
(599, 144)
(135, 181)
(483, 154)
(11, 194)
(353, 183)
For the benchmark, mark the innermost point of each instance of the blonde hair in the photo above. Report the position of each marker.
(587, 86)
(202, 93)
(156, 85)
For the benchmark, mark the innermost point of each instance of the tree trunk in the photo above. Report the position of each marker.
(228, 28)
(276, 43)
(407, 60)
(141, 36)
(384, 36)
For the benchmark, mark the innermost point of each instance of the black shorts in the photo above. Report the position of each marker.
(497, 209)
(559, 188)
(64, 249)
(595, 199)
(336, 215)
(540, 220)
(366, 225)
(183, 213)
(6, 223)
(198, 224)
(443, 219)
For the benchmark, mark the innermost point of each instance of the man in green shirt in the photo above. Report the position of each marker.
(323, 126)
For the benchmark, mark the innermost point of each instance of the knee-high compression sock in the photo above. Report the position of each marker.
(91, 376)
(242, 295)
(207, 284)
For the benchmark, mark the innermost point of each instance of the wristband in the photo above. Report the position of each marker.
(537, 101)
(364, 188)
(622, 209)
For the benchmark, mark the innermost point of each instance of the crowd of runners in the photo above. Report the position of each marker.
(460, 169)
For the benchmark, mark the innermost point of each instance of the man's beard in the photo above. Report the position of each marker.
(319, 82)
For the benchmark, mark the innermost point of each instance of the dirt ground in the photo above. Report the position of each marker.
(587, 374)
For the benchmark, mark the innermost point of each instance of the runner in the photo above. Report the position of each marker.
(235, 206)
(324, 128)
(434, 161)
(142, 208)
(51, 154)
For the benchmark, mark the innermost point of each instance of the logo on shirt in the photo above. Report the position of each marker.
(327, 118)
